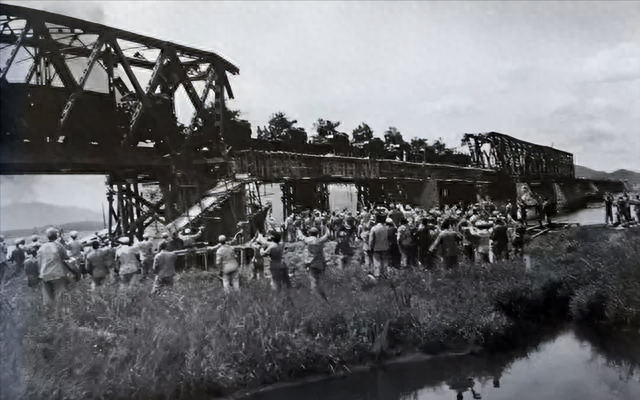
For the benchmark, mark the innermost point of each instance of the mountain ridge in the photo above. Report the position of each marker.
(31, 215)
(620, 174)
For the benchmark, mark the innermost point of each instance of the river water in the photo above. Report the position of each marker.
(565, 365)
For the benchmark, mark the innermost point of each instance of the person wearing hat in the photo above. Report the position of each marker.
(392, 238)
(608, 208)
(518, 239)
(315, 261)
(226, 259)
(363, 234)
(145, 250)
(75, 248)
(31, 267)
(127, 262)
(379, 245)
(34, 244)
(257, 244)
(396, 215)
(52, 257)
(468, 244)
(508, 210)
(175, 243)
(425, 236)
(96, 263)
(18, 255)
(344, 248)
(164, 266)
(522, 212)
(447, 240)
(279, 270)
(500, 240)
(3, 257)
(481, 234)
(190, 236)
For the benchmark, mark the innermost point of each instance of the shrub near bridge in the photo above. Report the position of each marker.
(194, 341)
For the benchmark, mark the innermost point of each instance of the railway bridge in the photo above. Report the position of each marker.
(83, 98)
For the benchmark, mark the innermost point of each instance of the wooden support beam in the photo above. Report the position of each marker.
(132, 231)
(139, 223)
(110, 200)
(121, 211)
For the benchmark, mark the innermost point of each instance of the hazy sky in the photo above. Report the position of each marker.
(565, 74)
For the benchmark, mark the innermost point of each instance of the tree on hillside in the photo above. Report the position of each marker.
(325, 130)
(327, 133)
(237, 131)
(437, 152)
(439, 148)
(418, 150)
(361, 134)
(281, 128)
(394, 143)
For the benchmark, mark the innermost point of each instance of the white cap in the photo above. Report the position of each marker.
(73, 234)
(222, 238)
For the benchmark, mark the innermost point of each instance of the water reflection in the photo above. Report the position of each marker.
(570, 364)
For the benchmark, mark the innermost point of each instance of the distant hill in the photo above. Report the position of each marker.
(621, 174)
(27, 216)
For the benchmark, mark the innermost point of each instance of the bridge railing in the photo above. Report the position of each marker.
(278, 166)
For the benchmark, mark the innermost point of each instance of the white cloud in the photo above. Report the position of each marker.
(547, 72)
(619, 63)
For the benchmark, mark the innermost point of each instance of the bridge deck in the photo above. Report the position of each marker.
(283, 166)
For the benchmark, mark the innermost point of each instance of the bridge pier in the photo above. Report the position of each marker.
(304, 194)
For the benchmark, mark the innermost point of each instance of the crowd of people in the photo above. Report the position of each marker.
(55, 262)
(399, 236)
(622, 208)
(376, 239)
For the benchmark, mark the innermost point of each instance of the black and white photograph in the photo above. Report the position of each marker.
(320, 200)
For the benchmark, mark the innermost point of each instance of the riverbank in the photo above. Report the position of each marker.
(195, 342)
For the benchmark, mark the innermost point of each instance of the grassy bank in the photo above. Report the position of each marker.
(194, 341)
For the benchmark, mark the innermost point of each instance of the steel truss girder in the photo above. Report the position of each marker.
(86, 27)
(55, 49)
(83, 79)
(151, 87)
(56, 58)
(517, 157)
(14, 52)
(208, 85)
